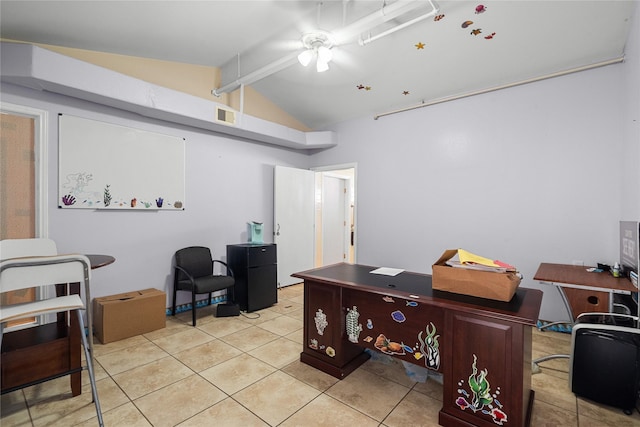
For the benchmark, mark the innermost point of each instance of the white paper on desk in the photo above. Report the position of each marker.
(387, 271)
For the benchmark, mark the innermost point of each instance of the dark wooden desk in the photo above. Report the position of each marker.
(582, 291)
(40, 353)
(348, 309)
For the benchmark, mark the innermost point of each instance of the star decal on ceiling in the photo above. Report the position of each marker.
(419, 45)
(405, 92)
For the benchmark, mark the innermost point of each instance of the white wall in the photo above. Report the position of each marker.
(631, 154)
(228, 183)
(526, 175)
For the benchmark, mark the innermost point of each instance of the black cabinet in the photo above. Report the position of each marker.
(254, 267)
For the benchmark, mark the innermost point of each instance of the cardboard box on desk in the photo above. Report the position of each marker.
(483, 284)
(121, 316)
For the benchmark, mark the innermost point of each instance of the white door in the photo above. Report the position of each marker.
(293, 226)
(334, 220)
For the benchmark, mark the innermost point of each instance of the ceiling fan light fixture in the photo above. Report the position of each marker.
(324, 54)
(305, 57)
(322, 66)
(317, 44)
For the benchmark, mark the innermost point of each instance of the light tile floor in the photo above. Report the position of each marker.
(245, 371)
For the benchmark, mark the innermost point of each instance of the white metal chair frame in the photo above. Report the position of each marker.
(28, 272)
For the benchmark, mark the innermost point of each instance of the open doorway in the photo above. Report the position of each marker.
(334, 216)
(314, 218)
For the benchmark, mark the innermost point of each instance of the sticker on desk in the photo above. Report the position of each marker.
(482, 400)
(398, 316)
(389, 347)
(352, 325)
(388, 299)
(330, 351)
(429, 348)
(313, 344)
(321, 321)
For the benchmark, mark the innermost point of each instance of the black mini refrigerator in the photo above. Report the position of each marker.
(605, 360)
(255, 271)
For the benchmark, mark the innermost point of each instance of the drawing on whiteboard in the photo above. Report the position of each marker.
(68, 200)
(77, 186)
(76, 182)
(107, 195)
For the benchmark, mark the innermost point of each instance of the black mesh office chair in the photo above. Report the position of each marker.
(194, 272)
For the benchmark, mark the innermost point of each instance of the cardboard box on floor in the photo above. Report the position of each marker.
(483, 284)
(121, 316)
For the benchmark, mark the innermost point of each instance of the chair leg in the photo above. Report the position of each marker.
(175, 294)
(193, 307)
(89, 358)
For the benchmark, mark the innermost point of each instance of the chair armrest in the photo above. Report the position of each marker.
(186, 273)
(229, 270)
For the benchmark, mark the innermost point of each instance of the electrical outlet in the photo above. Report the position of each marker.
(576, 262)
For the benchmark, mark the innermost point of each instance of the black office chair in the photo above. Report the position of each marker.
(605, 359)
(194, 273)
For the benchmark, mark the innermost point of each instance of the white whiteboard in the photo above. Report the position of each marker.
(107, 166)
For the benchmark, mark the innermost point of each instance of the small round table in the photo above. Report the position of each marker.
(98, 261)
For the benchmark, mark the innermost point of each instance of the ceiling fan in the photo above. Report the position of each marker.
(318, 44)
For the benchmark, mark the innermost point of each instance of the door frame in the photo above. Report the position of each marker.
(352, 199)
(41, 130)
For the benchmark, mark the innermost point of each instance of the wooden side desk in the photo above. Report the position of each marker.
(582, 291)
(481, 347)
(33, 355)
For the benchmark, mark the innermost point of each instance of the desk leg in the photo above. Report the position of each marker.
(74, 342)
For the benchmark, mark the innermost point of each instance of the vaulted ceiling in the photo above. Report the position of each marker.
(458, 48)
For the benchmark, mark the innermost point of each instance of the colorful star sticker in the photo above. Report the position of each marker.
(420, 45)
